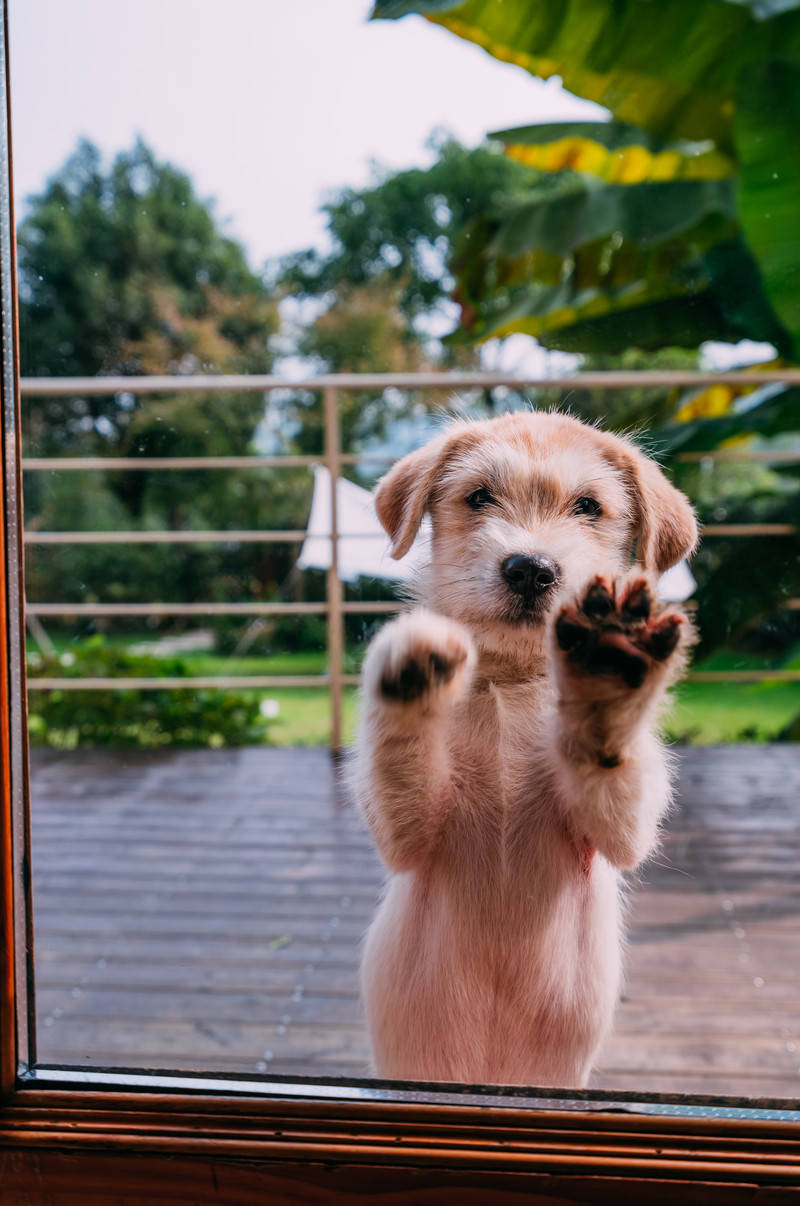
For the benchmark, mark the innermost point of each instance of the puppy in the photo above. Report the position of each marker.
(506, 763)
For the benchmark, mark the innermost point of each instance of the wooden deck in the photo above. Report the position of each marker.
(203, 910)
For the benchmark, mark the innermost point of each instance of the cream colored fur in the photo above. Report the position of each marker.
(506, 796)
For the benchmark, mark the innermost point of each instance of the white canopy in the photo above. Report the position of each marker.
(364, 546)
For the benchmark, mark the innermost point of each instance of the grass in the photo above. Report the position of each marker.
(700, 713)
(719, 713)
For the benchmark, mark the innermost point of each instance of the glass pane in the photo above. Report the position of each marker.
(202, 877)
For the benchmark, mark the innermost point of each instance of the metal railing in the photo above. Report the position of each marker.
(335, 608)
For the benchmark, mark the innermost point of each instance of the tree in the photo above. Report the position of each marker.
(126, 272)
(383, 286)
(399, 231)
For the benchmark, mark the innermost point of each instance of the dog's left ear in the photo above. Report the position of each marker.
(667, 528)
(404, 494)
(665, 525)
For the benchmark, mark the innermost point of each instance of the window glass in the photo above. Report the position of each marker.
(264, 196)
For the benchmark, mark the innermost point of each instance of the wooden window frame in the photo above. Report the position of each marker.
(71, 1135)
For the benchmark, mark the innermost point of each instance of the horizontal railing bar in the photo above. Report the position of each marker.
(60, 464)
(176, 609)
(40, 464)
(743, 676)
(207, 609)
(262, 681)
(233, 536)
(212, 682)
(376, 608)
(607, 379)
(241, 682)
(778, 457)
(253, 536)
(748, 529)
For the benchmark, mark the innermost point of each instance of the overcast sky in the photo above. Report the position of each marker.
(266, 103)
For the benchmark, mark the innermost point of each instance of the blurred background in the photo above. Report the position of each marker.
(299, 190)
(531, 190)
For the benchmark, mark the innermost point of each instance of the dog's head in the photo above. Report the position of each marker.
(525, 509)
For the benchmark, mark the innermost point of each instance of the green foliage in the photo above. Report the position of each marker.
(711, 87)
(384, 284)
(398, 232)
(139, 718)
(125, 271)
(717, 713)
(767, 136)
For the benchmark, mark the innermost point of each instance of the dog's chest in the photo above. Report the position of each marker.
(506, 820)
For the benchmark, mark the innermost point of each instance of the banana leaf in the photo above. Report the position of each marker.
(616, 152)
(767, 130)
(600, 269)
(646, 214)
(672, 68)
(723, 75)
(769, 411)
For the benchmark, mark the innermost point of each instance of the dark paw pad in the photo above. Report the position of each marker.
(619, 635)
(610, 659)
(663, 638)
(598, 601)
(570, 633)
(418, 675)
(638, 603)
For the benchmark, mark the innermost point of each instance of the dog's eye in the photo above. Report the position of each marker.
(588, 506)
(480, 498)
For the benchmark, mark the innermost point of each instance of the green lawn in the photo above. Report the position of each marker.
(712, 713)
(706, 713)
(700, 713)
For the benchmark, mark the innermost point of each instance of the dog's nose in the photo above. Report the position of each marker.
(529, 575)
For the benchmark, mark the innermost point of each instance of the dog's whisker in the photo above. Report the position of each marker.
(671, 867)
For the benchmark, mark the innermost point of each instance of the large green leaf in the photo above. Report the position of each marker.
(672, 67)
(616, 152)
(767, 130)
(768, 411)
(646, 215)
(724, 73)
(601, 268)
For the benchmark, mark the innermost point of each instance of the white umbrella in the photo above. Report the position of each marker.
(363, 546)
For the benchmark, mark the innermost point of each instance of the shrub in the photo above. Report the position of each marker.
(131, 717)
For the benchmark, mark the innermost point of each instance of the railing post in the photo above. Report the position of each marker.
(334, 585)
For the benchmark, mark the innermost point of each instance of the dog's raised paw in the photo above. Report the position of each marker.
(421, 671)
(618, 630)
(419, 655)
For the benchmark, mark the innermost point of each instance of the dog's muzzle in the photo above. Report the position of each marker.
(531, 579)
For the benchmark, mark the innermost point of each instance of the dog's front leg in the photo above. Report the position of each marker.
(415, 669)
(615, 650)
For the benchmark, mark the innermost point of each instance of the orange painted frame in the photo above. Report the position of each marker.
(65, 1137)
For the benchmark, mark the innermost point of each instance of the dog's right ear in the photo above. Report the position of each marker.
(404, 494)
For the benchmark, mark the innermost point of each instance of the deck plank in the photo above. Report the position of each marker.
(204, 909)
